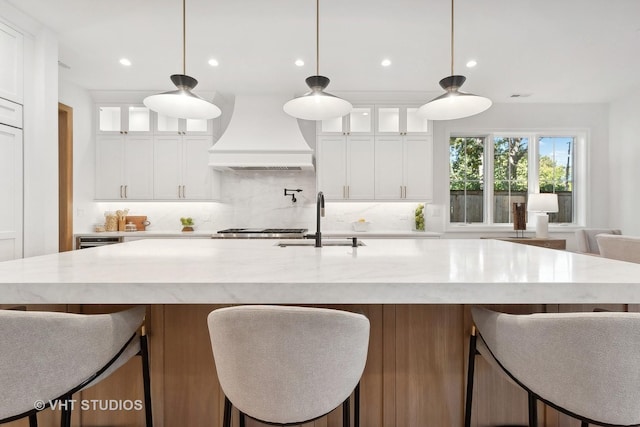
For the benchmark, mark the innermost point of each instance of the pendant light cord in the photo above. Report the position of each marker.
(184, 36)
(452, 37)
(317, 37)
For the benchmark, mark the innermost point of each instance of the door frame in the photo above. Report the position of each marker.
(65, 178)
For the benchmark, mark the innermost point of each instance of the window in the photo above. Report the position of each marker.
(466, 179)
(555, 173)
(510, 175)
(488, 173)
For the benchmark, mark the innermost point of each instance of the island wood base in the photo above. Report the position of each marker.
(415, 373)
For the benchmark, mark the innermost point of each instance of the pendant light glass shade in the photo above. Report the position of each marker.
(454, 104)
(317, 104)
(182, 103)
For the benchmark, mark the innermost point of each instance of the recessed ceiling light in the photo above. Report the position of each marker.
(125, 62)
(299, 62)
(472, 63)
(214, 62)
(385, 62)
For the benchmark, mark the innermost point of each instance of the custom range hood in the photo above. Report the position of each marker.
(260, 136)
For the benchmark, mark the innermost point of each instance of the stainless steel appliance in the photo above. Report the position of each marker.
(84, 242)
(260, 233)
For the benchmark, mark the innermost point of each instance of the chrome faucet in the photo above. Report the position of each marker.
(319, 213)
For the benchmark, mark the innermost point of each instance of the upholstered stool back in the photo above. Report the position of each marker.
(288, 364)
(584, 364)
(45, 355)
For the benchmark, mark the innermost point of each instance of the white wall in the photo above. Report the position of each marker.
(81, 102)
(624, 155)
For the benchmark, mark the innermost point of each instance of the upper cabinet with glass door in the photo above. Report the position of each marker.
(358, 122)
(124, 119)
(172, 126)
(396, 120)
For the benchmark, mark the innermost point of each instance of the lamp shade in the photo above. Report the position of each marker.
(182, 103)
(454, 104)
(543, 202)
(317, 104)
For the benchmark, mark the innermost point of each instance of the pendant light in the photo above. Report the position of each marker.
(454, 104)
(182, 103)
(317, 104)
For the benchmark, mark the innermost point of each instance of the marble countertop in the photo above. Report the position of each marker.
(381, 234)
(149, 233)
(438, 271)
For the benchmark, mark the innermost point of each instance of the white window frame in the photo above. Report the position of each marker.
(580, 181)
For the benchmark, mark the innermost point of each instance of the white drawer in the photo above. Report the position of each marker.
(10, 113)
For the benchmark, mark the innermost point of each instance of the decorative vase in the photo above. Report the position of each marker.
(187, 228)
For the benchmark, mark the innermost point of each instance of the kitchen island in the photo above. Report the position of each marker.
(415, 293)
(389, 271)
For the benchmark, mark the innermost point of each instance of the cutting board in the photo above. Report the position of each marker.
(138, 221)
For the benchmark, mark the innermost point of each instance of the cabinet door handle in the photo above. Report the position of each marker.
(184, 191)
(179, 192)
(125, 192)
(121, 191)
(348, 192)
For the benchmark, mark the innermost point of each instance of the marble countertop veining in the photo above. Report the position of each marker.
(397, 271)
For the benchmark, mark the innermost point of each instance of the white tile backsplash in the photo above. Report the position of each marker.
(256, 199)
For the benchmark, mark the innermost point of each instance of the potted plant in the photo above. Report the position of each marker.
(187, 224)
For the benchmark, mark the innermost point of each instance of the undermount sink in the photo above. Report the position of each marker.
(311, 243)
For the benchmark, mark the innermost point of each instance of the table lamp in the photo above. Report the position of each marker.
(542, 203)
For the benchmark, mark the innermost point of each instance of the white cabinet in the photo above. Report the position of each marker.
(10, 193)
(358, 122)
(124, 167)
(181, 168)
(173, 126)
(404, 168)
(11, 64)
(346, 167)
(10, 113)
(123, 119)
(400, 120)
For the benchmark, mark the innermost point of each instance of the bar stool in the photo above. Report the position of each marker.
(585, 365)
(586, 241)
(47, 356)
(288, 365)
(623, 248)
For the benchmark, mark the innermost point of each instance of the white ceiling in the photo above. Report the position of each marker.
(555, 50)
